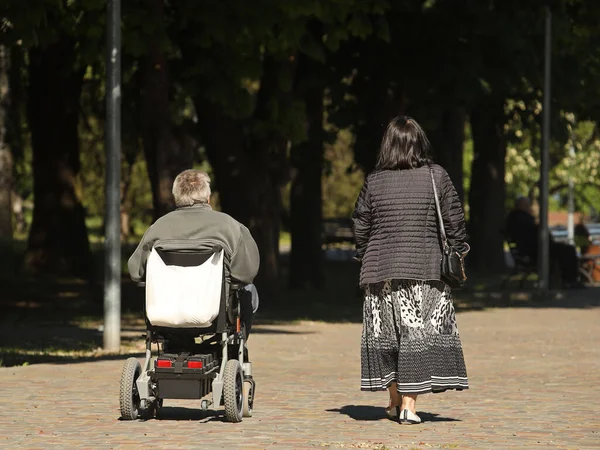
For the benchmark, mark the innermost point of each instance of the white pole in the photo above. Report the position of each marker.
(112, 241)
(570, 220)
(544, 250)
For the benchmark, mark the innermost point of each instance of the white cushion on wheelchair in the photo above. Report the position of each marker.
(183, 297)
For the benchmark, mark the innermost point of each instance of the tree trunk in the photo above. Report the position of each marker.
(250, 170)
(125, 202)
(449, 145)
(6, 167)
(15, 119)
(486, 197)
(247, 190)
(306, 216)
(6, 231)
(167, 152)
(58, 239)
(381, 100)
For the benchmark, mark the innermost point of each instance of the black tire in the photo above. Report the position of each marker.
(129, 397)
(233, 391)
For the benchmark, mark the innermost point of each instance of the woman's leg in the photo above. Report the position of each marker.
(409, 401)
(395, 396)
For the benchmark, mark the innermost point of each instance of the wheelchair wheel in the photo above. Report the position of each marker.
(129, 397)
(248, 398)
(233, 391)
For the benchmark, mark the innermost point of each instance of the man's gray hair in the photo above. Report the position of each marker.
(191, 187)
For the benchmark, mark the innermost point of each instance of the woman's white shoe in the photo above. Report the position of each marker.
(409, 417)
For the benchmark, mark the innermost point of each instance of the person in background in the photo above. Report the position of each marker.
(523, 230)
(583, 238)
(410, 343)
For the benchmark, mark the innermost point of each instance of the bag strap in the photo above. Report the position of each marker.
(439, 210)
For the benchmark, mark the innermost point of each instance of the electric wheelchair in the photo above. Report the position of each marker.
(195, 317)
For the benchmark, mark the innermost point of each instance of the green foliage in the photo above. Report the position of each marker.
(467, 164)
(230, 42)
(523, 163)
(342, 179)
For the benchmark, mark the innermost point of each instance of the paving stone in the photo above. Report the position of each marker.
(534, 376)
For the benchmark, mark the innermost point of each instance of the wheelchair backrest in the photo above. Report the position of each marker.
(186, 258)
(184, 288)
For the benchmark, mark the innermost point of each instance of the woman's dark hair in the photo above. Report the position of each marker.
(404, 146)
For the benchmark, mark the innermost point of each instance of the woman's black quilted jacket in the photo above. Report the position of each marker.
(395, 224)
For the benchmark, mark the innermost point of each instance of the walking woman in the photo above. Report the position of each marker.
(410, 343)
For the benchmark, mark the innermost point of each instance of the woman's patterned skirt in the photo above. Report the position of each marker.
(410, 337)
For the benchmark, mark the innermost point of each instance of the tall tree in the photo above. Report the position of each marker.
(251, 168)
(486, 196)
(448, 143)
(168, 151)
(325, 32)
(306, 258)
(58, 238)
(59, 37)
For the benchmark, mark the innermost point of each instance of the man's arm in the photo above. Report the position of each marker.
(245, 259)
(137, 261)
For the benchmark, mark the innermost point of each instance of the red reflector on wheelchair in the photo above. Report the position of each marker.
(194, 364)
(164, 363)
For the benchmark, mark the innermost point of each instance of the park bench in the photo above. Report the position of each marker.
(522, 266)
(337, 231)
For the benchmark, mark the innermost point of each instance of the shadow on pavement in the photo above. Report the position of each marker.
(361, 412)
(180, 413)
(367, 413)
(431, 417)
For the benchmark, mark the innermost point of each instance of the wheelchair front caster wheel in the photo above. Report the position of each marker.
(204, 404)
(248, 398)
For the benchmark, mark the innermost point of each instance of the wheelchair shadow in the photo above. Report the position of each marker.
(180, 413)
(369, 413)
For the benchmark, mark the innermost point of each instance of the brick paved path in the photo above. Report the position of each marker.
(534, 374)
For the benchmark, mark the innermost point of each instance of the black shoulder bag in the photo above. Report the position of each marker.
(453, 262)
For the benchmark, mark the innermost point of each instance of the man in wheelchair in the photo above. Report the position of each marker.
(195, 225)
(198, 266)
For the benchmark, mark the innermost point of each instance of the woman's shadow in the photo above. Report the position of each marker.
(365, 412)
